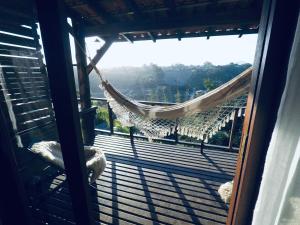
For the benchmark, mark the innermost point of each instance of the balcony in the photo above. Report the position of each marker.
(148, 183)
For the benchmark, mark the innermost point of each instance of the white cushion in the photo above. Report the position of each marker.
(51, 151)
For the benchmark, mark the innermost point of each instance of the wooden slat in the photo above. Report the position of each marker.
(34, 123)
(14, 61)
(20, 95)
(21, 70)
(27, 99)
(16, 29)
(15, 40)
(29, 106)
(34, 114)
(16, 48)
(30, 84)
(6, 50)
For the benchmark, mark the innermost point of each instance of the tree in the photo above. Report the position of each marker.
(209, 84)
(178, 96)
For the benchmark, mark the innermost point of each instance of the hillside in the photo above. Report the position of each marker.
(174, 83)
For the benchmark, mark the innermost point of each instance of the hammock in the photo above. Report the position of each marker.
(199, 118)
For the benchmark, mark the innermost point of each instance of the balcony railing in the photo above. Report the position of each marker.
(172, 139)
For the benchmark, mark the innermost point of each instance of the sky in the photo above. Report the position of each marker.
(219, 50)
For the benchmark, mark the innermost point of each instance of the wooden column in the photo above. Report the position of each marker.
(13, 206)
(87, 119)
(53, 24)
(275, 38)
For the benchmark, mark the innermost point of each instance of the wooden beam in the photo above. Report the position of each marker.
(100, 53)
(12, 194)
(170, 4)
(55, 38)
(132, 6)
(87, 121)
(127, 38)
(179, 35)
(97, 9)
(152, 36)
(241, 17)
(271, 60)
(191, 34)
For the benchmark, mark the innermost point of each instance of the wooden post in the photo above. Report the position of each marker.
(13, 207)
(111, 120)
(233, 125)
(53, 24)
(87, 121)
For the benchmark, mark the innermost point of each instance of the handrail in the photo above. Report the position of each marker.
(174, 137)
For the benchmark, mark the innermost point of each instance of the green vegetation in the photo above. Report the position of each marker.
(102, 116)
(119, 128)
(176, 83)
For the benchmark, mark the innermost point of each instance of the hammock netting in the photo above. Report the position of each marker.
(201, 126)
(198, 118)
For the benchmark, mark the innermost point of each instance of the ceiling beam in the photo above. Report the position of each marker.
(132, 6)
(170, 4)
(241, 17)
(94, 6)
(194, 35)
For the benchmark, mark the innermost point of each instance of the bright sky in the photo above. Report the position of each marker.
(189, 51)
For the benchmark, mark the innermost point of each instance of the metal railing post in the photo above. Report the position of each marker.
(233, 125)
(202, 146)
(131, 135)
(176, 135)
(111, 120)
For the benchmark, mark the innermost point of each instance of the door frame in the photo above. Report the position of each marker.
(275, 39)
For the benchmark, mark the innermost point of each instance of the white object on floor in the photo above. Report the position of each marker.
(51, 151)
(225, 191)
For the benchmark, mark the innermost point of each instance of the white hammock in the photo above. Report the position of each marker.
(199, 118)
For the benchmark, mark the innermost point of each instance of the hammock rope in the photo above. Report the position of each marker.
(200, 118)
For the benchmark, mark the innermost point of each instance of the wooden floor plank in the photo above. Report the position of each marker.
(151, 183)
(193, 161)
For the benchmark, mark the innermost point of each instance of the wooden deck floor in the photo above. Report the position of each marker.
(150, 183)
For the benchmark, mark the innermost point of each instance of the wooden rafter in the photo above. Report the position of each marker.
(127, 38)
(152, 36)
(94, 6)
(132, 6)
(100, 53)
(170, 4)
